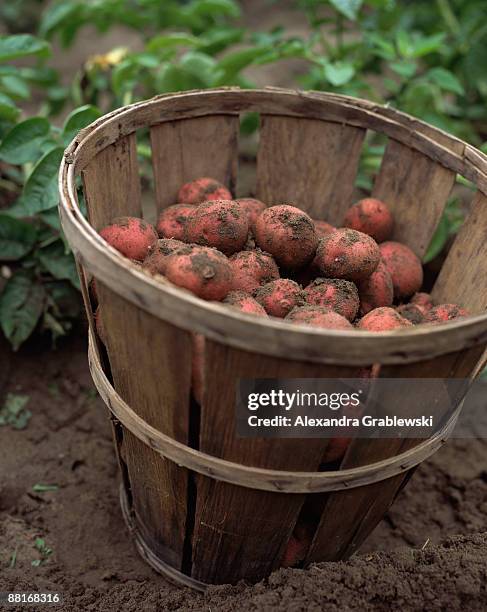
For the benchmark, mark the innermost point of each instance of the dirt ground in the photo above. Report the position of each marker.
(430, 552)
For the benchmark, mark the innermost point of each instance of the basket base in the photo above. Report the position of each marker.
(144, 550)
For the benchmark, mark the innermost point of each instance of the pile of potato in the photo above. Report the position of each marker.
(276, 261)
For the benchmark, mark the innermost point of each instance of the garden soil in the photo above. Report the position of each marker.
(429, 553)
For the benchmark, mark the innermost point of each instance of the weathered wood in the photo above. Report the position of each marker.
(158, 487)
(318, 159)
(416, 190)
(350, 516)
(417, 135)
(231, 540)
(250, 477)
(189, 149)
(462, 279)
(151, 366)
(111, 183)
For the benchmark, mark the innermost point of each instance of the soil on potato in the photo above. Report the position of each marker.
(428, 553)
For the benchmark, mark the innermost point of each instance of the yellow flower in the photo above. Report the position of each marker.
(107, 60)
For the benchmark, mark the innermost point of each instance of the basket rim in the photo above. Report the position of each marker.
(282, 481)
(276, 338)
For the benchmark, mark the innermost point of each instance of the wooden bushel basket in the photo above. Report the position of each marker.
(204, 506)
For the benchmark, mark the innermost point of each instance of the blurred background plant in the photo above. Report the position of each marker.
(425, 58)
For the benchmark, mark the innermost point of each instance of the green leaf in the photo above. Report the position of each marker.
(438, 241)
(40, 190)
(176, 78)
(424, 45)
(15, 86)
(406, 69)
(382, 46)
(21, 305)
(212, 7)
(446, 80)
(51, 218)
(199, 64)
(339, 73)
(40, 75)
(348, 8)
(57, 14)
(59, 263)
(231, 65)
(165, 41)
(16, 238)
(22, 143)
(43, 488)
(13, 411)
(8, 109)
(404, 43)
(65, 297)
(218, 39)
(22, 45)
(77, 120)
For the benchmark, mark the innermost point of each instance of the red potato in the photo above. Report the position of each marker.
(245, 302)
(376, 290)
(172, 221)
(287, 233)
(221, 224)
(323, 228)
(203, 271)
(318, 316)
(338, 294)
(198, 366)
(251, 269)
(412, 313)
(337, 447)
(253, 208)
(202, 190)
(297, 547)
(382, 319)
(131, 236)
(280, 296)
(348, 254)
(422, 301)
(155, 262)
(372, 217)
(405, 268)
(445, 312)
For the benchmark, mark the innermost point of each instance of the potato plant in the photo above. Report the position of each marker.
(423, 58)
(38, 280)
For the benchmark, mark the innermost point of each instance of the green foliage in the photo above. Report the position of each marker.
(44, 551)
(449, 225)
(424, 58)
(41, 286)
(14, 412)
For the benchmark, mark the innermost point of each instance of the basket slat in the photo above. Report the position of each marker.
(111, 183)
(459, 281)
(416, 190)
(250, 543)
(318, 159)
(157, 386)
(350, 516)
(189, 149)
